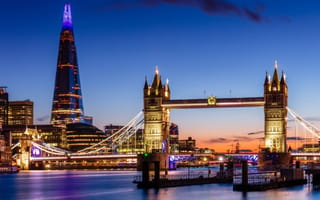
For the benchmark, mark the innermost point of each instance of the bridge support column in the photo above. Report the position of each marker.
(161, 158)
(244, 172)
(25, 152)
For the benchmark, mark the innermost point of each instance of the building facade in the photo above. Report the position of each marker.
(5, 148)
(133, 144)
(67, 104)
(50, 134)
(174, 138)
(188, 145)
(20, 113)
(4, 105)
(81, 135)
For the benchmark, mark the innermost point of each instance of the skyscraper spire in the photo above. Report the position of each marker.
(67, 100)
(67, 18)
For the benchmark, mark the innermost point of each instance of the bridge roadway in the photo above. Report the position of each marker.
(124, 156)
(81, 157)
(213, 102)
(105, 156)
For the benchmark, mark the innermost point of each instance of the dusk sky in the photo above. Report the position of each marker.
(219, 48)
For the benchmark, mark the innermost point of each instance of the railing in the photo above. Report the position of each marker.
(178, 177)
(259, 178)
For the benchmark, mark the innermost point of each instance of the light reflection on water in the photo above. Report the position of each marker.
(92, 184)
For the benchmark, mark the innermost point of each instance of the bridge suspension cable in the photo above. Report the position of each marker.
(119, 136)
(304, 123)
(113, 140)
(49, 149)
(15, 145)
(125, 136)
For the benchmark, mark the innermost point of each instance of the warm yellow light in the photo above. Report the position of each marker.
(212, 100)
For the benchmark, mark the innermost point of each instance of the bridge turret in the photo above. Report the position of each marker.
(275, 84)
(267, 83)
(166, 90)
(276, 101)
(146, 90)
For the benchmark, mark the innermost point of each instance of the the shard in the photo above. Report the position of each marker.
(67, 104)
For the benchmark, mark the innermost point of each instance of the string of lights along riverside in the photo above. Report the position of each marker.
(67, 104)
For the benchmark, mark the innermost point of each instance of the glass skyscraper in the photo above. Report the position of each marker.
(67, 100)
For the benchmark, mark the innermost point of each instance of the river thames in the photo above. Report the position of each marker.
(117, 185)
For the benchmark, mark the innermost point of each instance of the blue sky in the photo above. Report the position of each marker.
(221, 49)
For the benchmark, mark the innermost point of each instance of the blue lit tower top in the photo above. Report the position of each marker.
(67, 100)
(67, 18)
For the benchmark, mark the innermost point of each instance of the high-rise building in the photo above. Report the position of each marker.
(67, 100)
(4, 105)
(81, 135)
(20, 112)
(133, 144)
(188, 145)
(174, 138)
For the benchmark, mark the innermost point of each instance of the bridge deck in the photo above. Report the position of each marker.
(215, 102)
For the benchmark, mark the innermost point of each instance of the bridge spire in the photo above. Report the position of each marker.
(267, 82)
(275, 79)
(283, 79)
(267, 79)
(146, 83)
(156, 81)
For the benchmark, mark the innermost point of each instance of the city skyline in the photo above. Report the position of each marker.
(203, 52)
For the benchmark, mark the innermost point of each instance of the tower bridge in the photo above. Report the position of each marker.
(157, 106)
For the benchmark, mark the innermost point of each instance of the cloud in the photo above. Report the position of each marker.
(243, 138)
(41, 119)
(213, 7)
(231, 139)
(219, 140)
(256, 132)
(295, 138)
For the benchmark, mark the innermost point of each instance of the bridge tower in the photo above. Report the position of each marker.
(276, 101)
(156, 118)
(25, 151)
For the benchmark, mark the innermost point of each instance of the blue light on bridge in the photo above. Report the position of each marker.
(35, 152)
(173, 159)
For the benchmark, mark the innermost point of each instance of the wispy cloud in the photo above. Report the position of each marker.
(219, 140)
(231, 139)
(41, 119)
(213, 7)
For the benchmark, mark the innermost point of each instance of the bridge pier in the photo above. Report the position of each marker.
(151, 159)
(274, 160)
